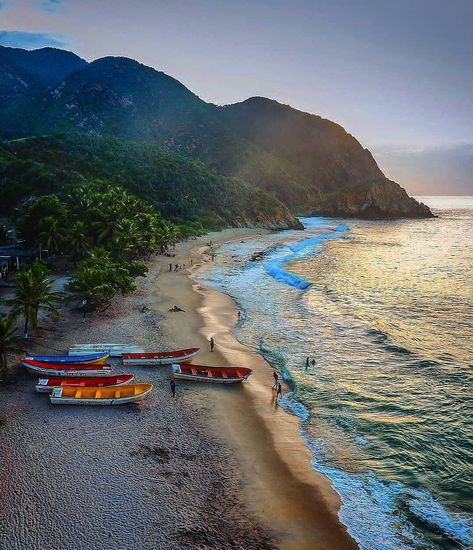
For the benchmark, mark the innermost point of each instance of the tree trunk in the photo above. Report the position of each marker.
(25, 330)
(3, 367)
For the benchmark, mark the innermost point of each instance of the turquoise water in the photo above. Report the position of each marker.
(386, 310)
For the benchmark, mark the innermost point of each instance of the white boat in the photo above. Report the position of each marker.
(114, 350)
(160, 358)
(60, 369)
(111, 395)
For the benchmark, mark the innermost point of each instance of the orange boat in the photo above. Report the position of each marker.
(216, 375)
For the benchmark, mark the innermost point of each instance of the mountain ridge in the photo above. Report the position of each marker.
(305, 160)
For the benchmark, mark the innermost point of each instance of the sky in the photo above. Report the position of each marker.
(397, 74)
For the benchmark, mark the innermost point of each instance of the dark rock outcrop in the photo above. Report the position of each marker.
(378, 199)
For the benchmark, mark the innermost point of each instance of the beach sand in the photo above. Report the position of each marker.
(218, 467)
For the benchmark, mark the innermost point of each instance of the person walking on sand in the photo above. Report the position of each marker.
(278, 391)
(212, 343)
(276, 380)
(172, 383)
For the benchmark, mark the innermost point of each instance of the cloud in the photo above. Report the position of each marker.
(446, 170)
(32, 40)
(51, 5)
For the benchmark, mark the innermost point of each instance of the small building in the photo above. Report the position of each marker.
(13, 255)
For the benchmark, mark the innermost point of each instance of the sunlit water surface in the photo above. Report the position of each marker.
(388, 317)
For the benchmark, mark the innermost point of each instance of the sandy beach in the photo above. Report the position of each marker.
(218, 467)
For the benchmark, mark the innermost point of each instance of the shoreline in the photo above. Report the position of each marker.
(229, 469)
(280, 485)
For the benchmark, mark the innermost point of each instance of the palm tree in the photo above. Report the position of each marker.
(32, 293)
(77, 241)
(52, 236)
(8, 343)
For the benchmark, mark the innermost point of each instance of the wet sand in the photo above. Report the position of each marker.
(219, 467)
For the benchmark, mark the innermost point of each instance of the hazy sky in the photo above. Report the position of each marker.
(397, 74)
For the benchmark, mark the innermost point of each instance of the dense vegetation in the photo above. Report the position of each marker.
(180, 189)
(104, 230)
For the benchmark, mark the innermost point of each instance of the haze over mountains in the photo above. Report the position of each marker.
(311, 164)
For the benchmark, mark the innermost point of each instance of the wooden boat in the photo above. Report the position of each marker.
(46, 385)
(218, 375)
(114, 350)
(161, 358)
(63, 369)
(84, 359)
(111, 395)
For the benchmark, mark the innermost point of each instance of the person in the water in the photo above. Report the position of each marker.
(307, 363)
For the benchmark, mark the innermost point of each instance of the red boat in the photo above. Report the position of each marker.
(63, 369)
(161, 358)
(48, 384)
(218, 375)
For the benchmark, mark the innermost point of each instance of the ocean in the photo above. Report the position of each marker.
(385, 311)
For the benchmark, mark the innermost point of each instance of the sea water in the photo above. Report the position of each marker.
(385, 308)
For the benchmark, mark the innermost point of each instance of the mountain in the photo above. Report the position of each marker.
(308, 162)
(46, 65)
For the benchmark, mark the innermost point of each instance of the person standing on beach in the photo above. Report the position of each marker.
(239, 316)
(307, 363)
(212, 343)
(172, 383)
(276, 380)
(278, 391)
(313, 362)
(170, 267)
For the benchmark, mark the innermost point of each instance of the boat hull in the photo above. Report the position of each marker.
(212, 375)
(46, 385)
(113, 350)
(208, 380)
(85, 359)
(62, 396)
(158, 359)
(49, 370)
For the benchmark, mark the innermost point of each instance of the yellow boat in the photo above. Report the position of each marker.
(111, 395)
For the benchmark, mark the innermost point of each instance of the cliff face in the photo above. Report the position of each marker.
(377, 199)
(301, 158)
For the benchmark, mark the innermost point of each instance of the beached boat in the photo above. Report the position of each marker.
(218, 375)
(100, 396)
(161, 358)
(85, 359)
(46, 385)
(63, 369)
(114, 350)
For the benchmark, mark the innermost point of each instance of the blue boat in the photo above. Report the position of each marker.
(90, 359)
